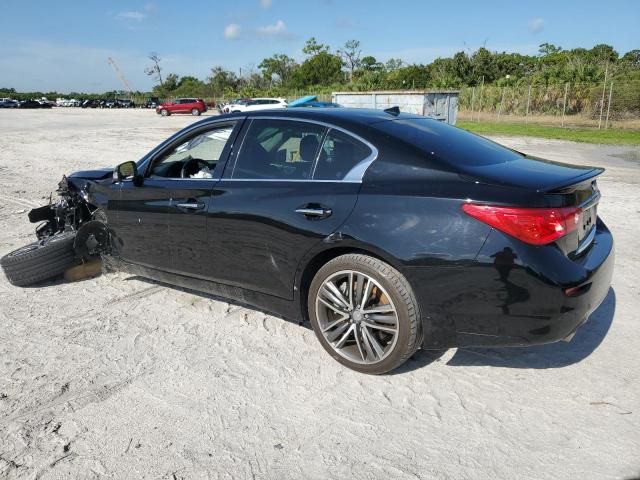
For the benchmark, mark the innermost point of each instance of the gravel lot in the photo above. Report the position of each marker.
(120, 377)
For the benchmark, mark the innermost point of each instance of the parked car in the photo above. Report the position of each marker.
(311, 101)
(8, 103)
(152, 102)
(319, 105)
(91, 103)
(194, 106)
(125, 103)
(30, 104)
(387, 231)
(255, 104)
(68, 102)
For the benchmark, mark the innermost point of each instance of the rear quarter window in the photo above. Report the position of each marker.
(339, 154)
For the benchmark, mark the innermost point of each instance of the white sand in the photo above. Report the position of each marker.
(122, 378)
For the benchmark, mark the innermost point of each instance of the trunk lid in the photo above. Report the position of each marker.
(531, 173)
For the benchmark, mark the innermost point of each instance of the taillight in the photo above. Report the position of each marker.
(537, 226)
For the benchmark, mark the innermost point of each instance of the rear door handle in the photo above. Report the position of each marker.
(191, 205)
(317, 212)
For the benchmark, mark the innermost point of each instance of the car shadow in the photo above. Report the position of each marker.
(420, 359)
(553, 355)
(216, 298)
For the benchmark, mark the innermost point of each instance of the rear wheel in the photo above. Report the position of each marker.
(40, 260)
(195, 112)
(164, 112)
(364, 313)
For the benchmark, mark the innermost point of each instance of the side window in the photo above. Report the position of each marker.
(278, 149)
(196, 157)
(340, 153)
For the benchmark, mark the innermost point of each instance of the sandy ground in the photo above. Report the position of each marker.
(119, 377)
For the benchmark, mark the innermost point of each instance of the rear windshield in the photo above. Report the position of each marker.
(451, 145)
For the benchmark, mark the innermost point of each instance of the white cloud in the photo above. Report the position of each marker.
(132, 15)
(278, 29)
(265, 3)
(536, 25)
(232, 31)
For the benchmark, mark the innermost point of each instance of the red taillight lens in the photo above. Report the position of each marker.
(537, 226)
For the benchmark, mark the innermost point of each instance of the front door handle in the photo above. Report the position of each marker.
(191, 205)
(317, 212)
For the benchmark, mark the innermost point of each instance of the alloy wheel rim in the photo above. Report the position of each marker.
(357, 317)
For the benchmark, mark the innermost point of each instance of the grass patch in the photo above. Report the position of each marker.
(610, 136)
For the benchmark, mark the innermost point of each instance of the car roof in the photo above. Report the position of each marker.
(363, 116)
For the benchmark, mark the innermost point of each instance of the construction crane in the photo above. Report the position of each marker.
(122, 78)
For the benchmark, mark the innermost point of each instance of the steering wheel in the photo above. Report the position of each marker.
(184, 172)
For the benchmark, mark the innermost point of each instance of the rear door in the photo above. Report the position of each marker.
(183, 105)
(269, 209)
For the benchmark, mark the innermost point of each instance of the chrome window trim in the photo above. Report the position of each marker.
(288, 180)
(355, 175)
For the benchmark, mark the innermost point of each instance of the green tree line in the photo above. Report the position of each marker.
(322, 70)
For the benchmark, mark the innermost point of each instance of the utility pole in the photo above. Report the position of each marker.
(526, 114)
(604, 89)
(564, 103)
(480, 104)
(606, 123)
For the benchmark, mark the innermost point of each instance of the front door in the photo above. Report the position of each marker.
(139, 223)
(161, 222)
(284, 191)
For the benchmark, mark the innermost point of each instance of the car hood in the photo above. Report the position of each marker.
(97, 174)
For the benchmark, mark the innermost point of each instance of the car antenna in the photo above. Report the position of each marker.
(393, 110)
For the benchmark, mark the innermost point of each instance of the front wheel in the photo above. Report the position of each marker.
(164, 112)
(195, 112)
(364, 313)
(40, 260)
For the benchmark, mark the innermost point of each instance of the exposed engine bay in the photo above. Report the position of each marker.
(72, 212)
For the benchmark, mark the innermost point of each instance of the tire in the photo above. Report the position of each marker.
(195, 112)
(164, 112)
(388, 290)
(40, 260)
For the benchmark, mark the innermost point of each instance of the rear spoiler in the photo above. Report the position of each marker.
(571, 184)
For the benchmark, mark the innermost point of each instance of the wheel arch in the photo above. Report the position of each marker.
(317, 259)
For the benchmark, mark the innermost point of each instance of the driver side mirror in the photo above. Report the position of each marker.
(127, 170)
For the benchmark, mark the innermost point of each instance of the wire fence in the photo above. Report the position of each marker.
(570, 104)
(609, 104)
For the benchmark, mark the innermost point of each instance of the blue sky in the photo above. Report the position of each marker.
(64, 45)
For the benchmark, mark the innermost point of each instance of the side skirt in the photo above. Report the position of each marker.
(285, 309)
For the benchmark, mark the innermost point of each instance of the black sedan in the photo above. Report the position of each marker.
(33, 104)
(388, 232)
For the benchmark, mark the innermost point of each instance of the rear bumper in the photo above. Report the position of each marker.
(517, 298)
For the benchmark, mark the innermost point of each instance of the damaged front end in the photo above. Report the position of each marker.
(73, 212)
(72, 234)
